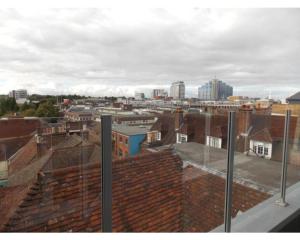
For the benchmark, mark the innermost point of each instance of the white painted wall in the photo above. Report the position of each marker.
(213, 142)
(180, 138)
(256, 144)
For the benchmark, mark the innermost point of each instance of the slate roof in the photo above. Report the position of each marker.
(296, 96)
(119, 119)
(129, 130)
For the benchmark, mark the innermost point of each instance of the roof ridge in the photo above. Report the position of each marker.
(162, 155)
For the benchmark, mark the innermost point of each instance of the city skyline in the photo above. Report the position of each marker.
(100, 52)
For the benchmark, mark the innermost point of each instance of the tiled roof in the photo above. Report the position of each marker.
(15, 127)
(197, 126)
(271, 128)
(23, 157)
(70, 156)
(10, 198)
(166, 125)
(119, 119)
(9, 146)
(296, 96)
(262, 135)
(147, 196)
(151, 193)
(204, 200)
(69, 141)
(130, 130)
(26, 164)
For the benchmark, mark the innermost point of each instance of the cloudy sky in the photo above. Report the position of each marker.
(102, 52)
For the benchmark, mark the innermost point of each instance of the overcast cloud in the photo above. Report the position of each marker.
(103, 52)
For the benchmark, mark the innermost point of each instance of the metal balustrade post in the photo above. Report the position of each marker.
(106, 181)
(230, 165)
(285, 157)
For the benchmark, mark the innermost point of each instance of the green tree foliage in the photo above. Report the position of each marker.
(47, 109)
(28, 113)
(25, 106)
(8, 105)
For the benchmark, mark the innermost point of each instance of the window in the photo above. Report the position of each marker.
(260, 149)
(158, 136)
(213, 142)
(120, 154)
(266, 151)
(126, 141)
(120, 139)
(183, 139)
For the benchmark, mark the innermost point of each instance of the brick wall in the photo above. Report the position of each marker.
(18, 127)
(10, 146)
(120, 145)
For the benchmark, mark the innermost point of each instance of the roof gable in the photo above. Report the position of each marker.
(262, 136)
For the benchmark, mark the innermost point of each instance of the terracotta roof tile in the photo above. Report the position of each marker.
(23, 157)
(204, 200)
(147, 196)
(166, 125)
(151, 193)
(271, 128)
(197, 126)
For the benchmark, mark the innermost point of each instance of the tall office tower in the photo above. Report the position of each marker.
(177, 90)
(139, 96)
(159, 93)
(215, 90)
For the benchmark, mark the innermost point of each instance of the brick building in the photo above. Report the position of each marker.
(85, 116)
(14, 134)
(16, 127)
(127, 140)
(135, 120)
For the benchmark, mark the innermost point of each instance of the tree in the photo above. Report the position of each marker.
(28, 113)
(47, 109)
(8, 105)
(24, 107)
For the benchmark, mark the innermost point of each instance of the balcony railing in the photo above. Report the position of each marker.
(230, 173)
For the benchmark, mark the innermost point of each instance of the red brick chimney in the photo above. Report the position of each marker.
(244, 119)
(178, 118)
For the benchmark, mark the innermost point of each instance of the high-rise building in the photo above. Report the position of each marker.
(18, 94)
(139, 96)
(159, 93)
(215, 90)
(177, 90)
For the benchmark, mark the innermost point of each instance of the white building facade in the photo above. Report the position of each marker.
(262, 149)
(18, 94)
(177, 90)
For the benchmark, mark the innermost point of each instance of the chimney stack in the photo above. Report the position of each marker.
(178, 118)
(244, 119)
